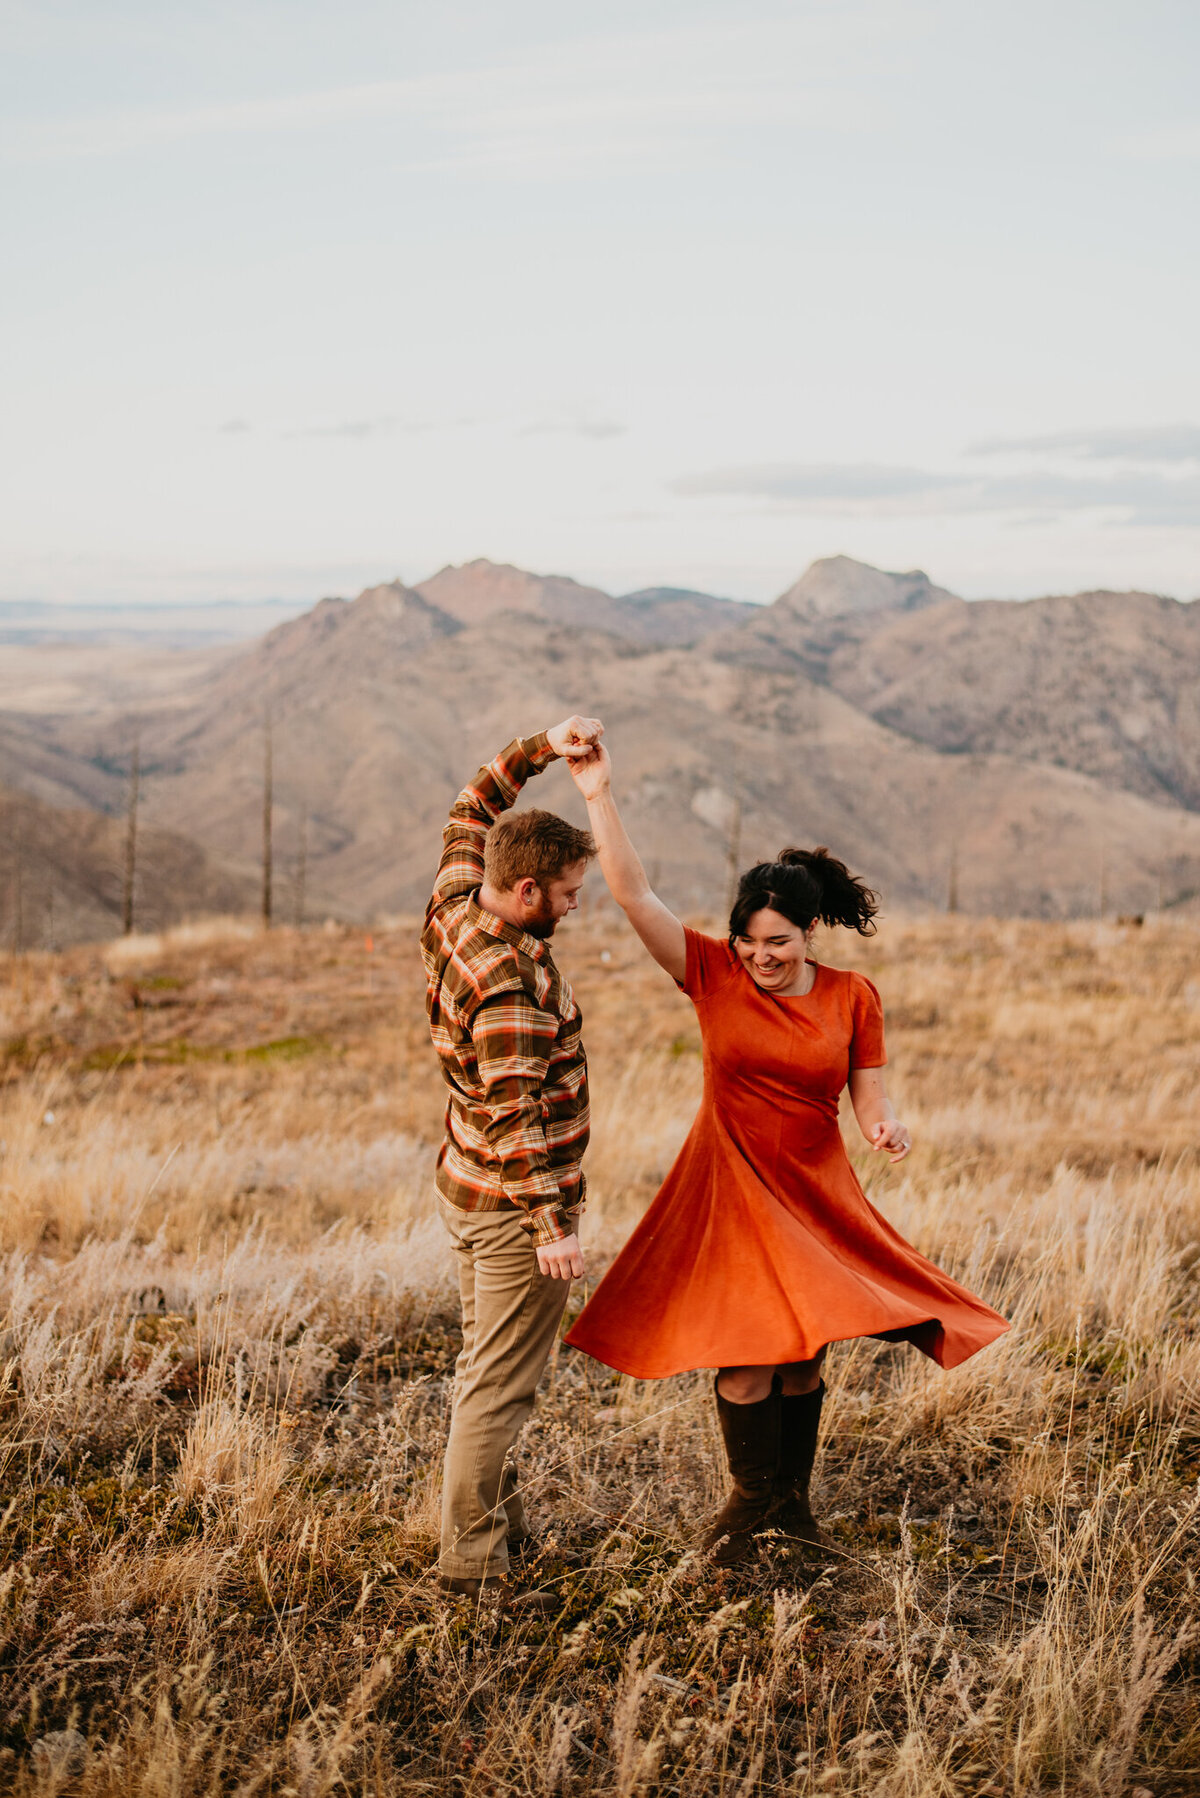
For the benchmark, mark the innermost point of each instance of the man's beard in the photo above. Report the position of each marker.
(543, 924)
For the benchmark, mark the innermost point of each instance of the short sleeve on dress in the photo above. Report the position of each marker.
(710, 963)
(866, 1010)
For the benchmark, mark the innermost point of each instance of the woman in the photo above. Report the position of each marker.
(761, 1248)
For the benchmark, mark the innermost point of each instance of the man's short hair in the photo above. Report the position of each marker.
(532, 845)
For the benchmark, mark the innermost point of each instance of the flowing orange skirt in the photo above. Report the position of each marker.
(761, 1247)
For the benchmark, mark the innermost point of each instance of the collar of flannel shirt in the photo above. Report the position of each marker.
(487, 920)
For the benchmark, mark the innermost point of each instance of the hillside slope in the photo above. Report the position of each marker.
(1047, 752)
(655, 616)
(381, 709)
(62, 873)
(1105, 683)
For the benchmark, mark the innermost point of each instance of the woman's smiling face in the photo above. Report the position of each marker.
(773, 950)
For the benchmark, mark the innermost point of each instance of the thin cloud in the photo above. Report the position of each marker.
(1146, 498)
(610, 102)
(1167, 143)
(1129, 443)
(837, 481)
(355, 428)
(234, 427)
(864, 489)
(594, 428)
(383, 425)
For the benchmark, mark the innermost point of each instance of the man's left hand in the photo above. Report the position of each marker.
(592, 771)
(562, 1260)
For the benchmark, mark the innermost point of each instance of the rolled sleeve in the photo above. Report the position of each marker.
(537, 751)
(494, 789)
(550, 1224)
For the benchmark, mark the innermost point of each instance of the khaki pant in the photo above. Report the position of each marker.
(510, 1317)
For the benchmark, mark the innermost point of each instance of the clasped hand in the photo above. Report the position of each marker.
(575, 736)
(561, 1260)
(578, 739)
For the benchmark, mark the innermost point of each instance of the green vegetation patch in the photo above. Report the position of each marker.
(180, 1053)
(27, 1049)
(284, 1048)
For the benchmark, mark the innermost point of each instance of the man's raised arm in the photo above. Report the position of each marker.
(493, 790)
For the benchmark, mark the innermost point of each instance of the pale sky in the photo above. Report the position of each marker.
(299, 297)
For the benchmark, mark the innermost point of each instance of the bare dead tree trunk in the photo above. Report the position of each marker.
(131, 824)
(734, 857)
(301, 871)
(733, 840)
(952, 882)
(18, 881)
(267, 813)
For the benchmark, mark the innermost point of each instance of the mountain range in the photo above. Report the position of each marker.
(1029, 757)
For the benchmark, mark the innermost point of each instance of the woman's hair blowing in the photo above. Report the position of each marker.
(803, 885)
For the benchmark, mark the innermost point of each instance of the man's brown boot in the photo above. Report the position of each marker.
(529, 1551)
(799, 1421)
(495, 1592)
(751, 1437)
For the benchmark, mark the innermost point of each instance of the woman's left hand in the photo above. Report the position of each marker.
(893, 1136)
(592, 771)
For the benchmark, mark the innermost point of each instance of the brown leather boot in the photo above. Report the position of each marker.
(799, 1421)
(751, 1437)
(495, 1592)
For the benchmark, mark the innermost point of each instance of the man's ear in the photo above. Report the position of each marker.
(526, 889)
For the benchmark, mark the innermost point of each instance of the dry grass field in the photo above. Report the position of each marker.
(226, 1334)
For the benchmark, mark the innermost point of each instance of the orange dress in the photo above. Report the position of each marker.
(761, 1246)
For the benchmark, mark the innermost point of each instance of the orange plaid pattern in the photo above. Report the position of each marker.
(506, 1029)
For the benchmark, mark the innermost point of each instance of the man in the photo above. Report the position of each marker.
(510, 1186)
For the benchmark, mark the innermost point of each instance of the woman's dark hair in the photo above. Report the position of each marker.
(803, 885)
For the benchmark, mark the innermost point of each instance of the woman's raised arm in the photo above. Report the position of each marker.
(658, 928)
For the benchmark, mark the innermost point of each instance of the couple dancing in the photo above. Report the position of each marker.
(759, 1250)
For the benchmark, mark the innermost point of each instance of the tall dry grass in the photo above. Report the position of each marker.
(227, 1330)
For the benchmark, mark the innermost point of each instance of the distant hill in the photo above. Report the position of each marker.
(991, 750)
(62, 872)
(837, 586)
(655, 616)
(1106, 683)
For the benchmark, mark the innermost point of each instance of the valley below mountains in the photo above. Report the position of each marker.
(1037, 758)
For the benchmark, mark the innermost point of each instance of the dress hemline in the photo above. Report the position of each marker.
(902, 1333)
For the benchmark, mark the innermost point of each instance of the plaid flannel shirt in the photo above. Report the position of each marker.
(506, 1028)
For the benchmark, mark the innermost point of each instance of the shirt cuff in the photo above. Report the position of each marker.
(549, 1224)
(538, 749)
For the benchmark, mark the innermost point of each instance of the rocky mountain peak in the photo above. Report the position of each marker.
(1026, 745)
(835, 586)
(394, 604)
(473, 591)
(384, 627)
